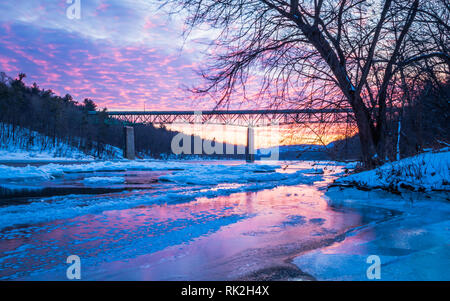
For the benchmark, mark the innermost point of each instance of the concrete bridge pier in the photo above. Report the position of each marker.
(250, 148)
(128, 150)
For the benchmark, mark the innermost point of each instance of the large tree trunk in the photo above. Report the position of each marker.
(366, 134)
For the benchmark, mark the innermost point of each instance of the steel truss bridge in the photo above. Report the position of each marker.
(246, 118)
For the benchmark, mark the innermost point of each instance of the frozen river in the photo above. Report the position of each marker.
(213, 220)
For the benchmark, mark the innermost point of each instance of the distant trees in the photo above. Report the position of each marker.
(425, 120)
(369, 56)
(64, 119)
(422, 123)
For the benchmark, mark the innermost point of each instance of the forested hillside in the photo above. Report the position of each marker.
(66, 120)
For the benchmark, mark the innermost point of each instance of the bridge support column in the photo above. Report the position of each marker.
(128, 150)
(250, 148)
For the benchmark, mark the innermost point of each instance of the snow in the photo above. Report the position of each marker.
(426, 171)
(411, 245)
(197, 172)
(30, 145)
(15, 154)
(52, 170)
(103, 180)
(215, 174)
(412, 242)
(192, 179)
(59, 207)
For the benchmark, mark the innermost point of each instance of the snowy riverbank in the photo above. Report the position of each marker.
(27, 145)
(424, 172)
(412, 244)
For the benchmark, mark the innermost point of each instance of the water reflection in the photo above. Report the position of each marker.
(209, 238)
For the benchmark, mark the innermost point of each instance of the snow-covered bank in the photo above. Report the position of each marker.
(27, 145)
(12, 154)
(412, 244)
(427, 171)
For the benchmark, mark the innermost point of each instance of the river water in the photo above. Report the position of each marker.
(147, 226)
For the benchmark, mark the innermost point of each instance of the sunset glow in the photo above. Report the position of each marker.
(124, 57)
(266, 136)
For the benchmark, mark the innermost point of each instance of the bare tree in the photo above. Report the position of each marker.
(320, 53)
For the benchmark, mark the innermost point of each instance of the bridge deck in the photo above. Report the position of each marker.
(234, 117)
(228, 112)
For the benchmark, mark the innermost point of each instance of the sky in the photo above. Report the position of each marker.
(123, 54)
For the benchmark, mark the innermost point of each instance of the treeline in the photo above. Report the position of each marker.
(421, 123)
(424, 121)
(65, 119)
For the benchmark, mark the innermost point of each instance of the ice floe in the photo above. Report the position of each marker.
(191, 180)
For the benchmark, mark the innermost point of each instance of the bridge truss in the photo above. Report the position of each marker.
(246, 118)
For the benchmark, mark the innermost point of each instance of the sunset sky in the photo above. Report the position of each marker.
(122, 54)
